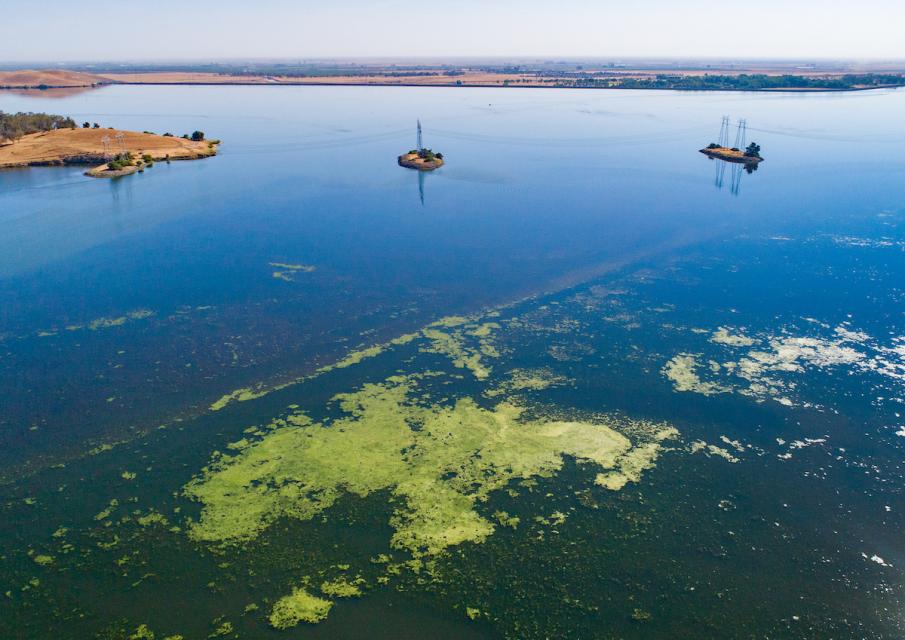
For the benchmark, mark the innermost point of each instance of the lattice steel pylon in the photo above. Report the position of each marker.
(723, 140)
(106, 142)
(420, 143)
(742, 134)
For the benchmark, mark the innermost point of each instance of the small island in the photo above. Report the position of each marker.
(420, 158)
(34, 140)
(721, 150)
(751, 154)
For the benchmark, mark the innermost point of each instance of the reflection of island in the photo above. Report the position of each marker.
(115, 153)
(420, 158)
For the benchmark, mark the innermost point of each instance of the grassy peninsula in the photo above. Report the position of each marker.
(30, 139)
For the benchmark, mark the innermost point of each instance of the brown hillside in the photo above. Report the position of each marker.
(85, 146)
(49, 78)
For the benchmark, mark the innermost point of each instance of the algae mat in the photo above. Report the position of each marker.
(608, 460)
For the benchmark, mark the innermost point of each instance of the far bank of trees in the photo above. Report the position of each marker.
(15, 125)
(741, 82)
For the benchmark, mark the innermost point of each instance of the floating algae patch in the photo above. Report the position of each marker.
(299, 606)
(342, 587)
(438, 462)
(106, 323)
(722, 336)
(355, 357)
(293, 267)
(682, 371)
(239, 395)
(454, 345)
(712, 450)
(527, 380)
(285, 271)
(773, 366)
(635, 461)
(43, 560)
(465, 342)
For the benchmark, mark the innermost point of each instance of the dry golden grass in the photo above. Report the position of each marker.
(69, 145)
(48, 78)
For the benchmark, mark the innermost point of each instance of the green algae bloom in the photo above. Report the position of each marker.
(111, 507)
(152, 518)
(144, 632)
(527, 380)
(355, 357)
(342, 587)
(106, 323)
(682, 371)
(722, 336)
(465, 345)
(438, 462)
(239, 395)
(507, 520)
(299, 606)
(453, 345)
(43, 560)
(286, 271)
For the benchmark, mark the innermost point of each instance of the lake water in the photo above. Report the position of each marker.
(580, 382)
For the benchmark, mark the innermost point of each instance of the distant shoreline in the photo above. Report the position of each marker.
(450, 86)
(481, 86)
(753, 80)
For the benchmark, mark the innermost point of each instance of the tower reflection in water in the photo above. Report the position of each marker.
(735, 174)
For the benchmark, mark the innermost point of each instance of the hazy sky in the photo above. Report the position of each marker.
(60, 30)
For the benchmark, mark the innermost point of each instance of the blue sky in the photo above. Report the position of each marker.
(59, 30)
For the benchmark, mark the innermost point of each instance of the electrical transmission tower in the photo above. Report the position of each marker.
(121, 142)
(106, 142)
(723, 140)
(741, 134)
(420, 144)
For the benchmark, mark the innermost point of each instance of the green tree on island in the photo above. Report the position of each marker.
(15, 125)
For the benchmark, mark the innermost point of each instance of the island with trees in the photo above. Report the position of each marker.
(40, 139)
(750, 156)
(421, 159)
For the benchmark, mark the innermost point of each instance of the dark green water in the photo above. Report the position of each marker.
(589, 230)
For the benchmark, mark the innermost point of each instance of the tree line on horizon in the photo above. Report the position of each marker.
(743, 82)
(15, 125)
